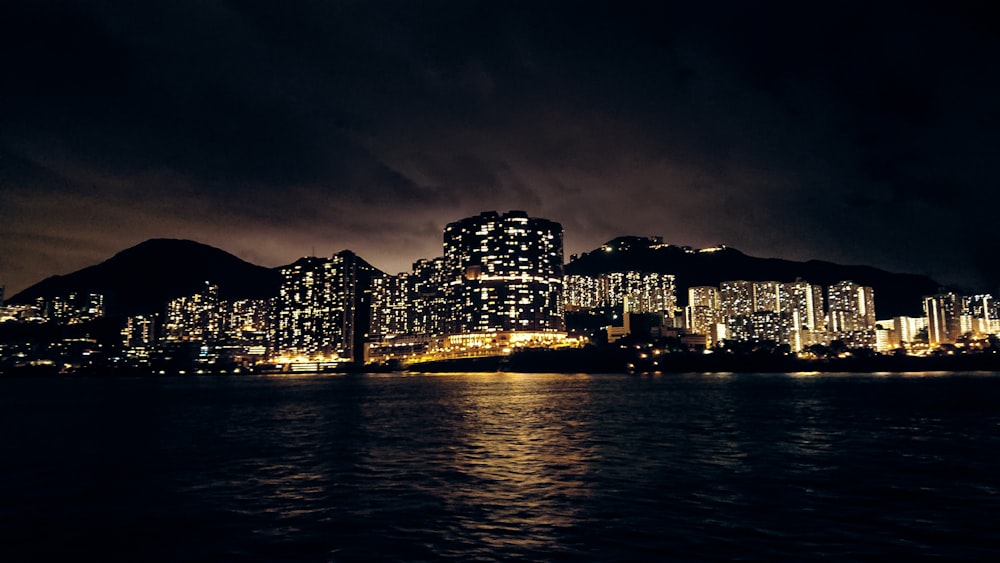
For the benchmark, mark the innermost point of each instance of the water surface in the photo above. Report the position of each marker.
(465, 467)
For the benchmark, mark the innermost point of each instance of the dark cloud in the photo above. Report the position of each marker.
(855, 132)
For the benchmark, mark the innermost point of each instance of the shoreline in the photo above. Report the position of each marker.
(579, 361)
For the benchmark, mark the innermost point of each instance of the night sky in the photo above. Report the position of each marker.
(854, 133)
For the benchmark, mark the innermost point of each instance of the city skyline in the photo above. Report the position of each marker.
(856, 133)
(498, 287)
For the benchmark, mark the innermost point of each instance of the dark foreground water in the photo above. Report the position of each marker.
(501, 467)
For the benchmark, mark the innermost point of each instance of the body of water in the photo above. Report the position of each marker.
(467, 467)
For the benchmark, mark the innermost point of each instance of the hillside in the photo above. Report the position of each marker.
(895, 294)
(143, 278)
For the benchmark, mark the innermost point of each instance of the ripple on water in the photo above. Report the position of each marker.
(502, 466)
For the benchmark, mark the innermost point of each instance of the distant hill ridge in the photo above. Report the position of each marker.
(895, 294)
(141, 279)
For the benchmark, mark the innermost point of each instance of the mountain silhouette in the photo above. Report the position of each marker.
(143, 278)
(895, 294)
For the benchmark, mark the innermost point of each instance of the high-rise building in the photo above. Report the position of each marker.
(753, 311)
(907, 328)
(71, 309)
(194, 317)
(786, 313)
(324, 307)
(704, 296)
(703, 313)
(139, 332)
(767, 296)
(246, 321)
(652, 292)
(392, 301)
(410, 303)
(505, 273)
(802, 313)
(736, 298)
(982, 311)
(139, 338)
(304, 308)
(802, 302)
(583, 292)
(429, 307)
(944, 317)
(851, 307)
(644, 292)
(351, 286)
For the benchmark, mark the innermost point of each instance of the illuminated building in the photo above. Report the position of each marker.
(429, 307)
(982, 312)
(886, 337)
(70, 309)
(324, 307)
(351, 286)
(304, 304)
(139, 338)
(950, 317)
(139, 331)
(703, 313)
(651, 292)
(246, 322)
(736, 298)
(908, 328)
(786, 313)
(413, 303)
(768, 326)
(504, 273)
(802, 309)
(499, 286)
(943, 318)
(767, 296)
(851, 308)
(21, 314)
(802, 302)
(391, 305)
(583, 292)
(704, 296)
(753, 311)
(851, 314)
(194, 317)
(859, 338)
(644, 292)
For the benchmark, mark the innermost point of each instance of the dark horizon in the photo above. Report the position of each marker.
(851, 133)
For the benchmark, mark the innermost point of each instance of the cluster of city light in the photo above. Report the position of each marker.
(785, 313)
(75, 308)
(499, 287)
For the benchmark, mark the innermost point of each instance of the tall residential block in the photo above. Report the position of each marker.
(851, 307)
(944, 317)
(504, 273)
(736, 298)
(324, 307)
(193, 318)
(802, 302)
(703, 312)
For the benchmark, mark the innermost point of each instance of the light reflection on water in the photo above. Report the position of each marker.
(525, 465)
(501, 466)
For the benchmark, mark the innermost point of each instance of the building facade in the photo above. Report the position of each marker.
(324, 307)
(503, 273)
